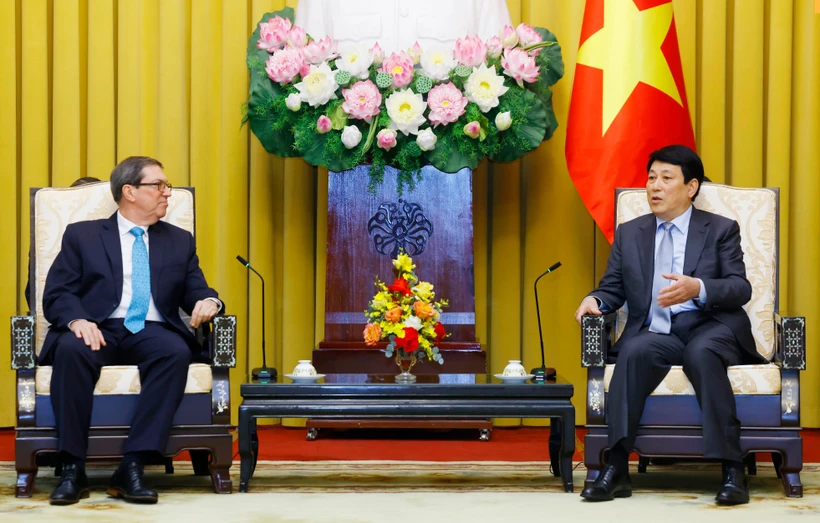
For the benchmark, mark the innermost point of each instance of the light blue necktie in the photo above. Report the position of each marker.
(140, 284)
(662, 316)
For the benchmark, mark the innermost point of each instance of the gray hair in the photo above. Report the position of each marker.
(129, 172)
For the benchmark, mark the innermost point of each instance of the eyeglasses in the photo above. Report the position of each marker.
(161, 186)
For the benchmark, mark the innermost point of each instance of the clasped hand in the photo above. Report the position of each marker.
(683, 289)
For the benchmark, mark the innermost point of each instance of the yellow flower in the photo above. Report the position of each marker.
(424, 291)
(404, 263)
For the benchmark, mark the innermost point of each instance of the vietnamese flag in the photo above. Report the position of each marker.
(628, 100)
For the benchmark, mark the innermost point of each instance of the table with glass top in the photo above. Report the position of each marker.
(418, 401)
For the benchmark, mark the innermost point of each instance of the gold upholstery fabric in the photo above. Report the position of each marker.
(125, 379)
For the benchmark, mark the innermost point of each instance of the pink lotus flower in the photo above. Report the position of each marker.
(319, 51)
(520, 66)
(377, 53)
(508, 36)
(284, 65)
(470, 51)
(527, 36)
(386, 139)
(446, 103)
(305, 70)
(323, 124)
(362, 100)
(472, 129)
(297, 37)
(415, 53)
(494, 47)
(400, 66)
(273, 33)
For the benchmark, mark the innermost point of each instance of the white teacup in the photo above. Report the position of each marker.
(514, 368)
(304, 368)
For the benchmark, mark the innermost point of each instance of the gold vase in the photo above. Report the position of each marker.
(405, 363)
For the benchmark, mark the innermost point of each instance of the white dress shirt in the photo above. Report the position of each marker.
(397, 24)
(127, 246)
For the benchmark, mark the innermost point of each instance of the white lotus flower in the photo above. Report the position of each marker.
(356, 60)
(483, 87)
(351, 136)
(406, 111)
(318, 86)
(437, 64)
(427, 140)
(503, 121)
(293, 102)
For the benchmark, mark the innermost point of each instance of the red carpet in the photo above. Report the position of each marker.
(506, 444)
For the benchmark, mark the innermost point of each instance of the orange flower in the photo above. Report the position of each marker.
(423, 310)
(393, 315)
(372, 333)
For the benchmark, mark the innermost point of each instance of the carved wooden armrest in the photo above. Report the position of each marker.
(595, 339)
(220, 340)
(791, 341)
(22, 343)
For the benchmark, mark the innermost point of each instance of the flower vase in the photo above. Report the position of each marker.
(405, 364)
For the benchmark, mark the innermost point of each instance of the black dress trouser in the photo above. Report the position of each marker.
(705, 347)
(162, 356)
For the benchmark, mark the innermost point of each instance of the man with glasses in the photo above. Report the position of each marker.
(112, 297)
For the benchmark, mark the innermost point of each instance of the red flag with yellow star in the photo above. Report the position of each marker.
(628, 100)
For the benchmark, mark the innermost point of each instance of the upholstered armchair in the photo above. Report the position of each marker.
(202, 422)
(767, 395)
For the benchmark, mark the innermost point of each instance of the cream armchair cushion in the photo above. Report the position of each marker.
(55, 208)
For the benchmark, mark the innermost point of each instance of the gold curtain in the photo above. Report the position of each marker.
(86, 83)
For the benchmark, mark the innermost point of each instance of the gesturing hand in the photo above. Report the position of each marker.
(684, 289)
(204, 311)
(89, 332)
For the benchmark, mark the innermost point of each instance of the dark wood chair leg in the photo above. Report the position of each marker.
(751, 463)
(643, 462)
(26, 465)
(221, 459)
(201, 461)
(169, 465)
(791, 467)
(594, 447)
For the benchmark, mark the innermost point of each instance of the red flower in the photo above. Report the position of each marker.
(400, 285)
(410, 342)
(440, 333)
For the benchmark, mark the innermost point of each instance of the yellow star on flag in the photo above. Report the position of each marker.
(628, 50)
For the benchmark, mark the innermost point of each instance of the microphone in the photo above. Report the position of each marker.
(542, 374)
(264, 373)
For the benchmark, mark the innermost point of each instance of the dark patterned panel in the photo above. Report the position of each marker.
(224, 341)
(22, 343)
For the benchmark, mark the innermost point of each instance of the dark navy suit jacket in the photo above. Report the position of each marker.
(85, 280)
(713, 254)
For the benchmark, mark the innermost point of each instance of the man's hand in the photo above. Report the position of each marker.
(89, 332)
(684, 289)
(588, 306)
(204, 311)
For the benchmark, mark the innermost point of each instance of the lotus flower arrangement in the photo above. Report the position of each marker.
(340, 108)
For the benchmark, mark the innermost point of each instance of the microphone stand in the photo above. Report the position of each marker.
(263, 374)
(542, 374)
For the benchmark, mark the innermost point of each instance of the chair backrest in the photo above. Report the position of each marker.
(757, 212)
(53, 208)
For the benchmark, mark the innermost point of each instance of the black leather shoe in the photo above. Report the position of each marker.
(611, 484)
(72, 487)
(735, 488)
(127, 483)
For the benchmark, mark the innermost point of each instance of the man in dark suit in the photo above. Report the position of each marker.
(680, 272)
(112, 296)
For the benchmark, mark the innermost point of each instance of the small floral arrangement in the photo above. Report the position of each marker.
(445, 107)
(405, 314)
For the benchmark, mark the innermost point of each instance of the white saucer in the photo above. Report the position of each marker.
(513, 380)
(304, 379)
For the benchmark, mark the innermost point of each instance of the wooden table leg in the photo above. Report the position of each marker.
(567, 446)
(247, 431)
